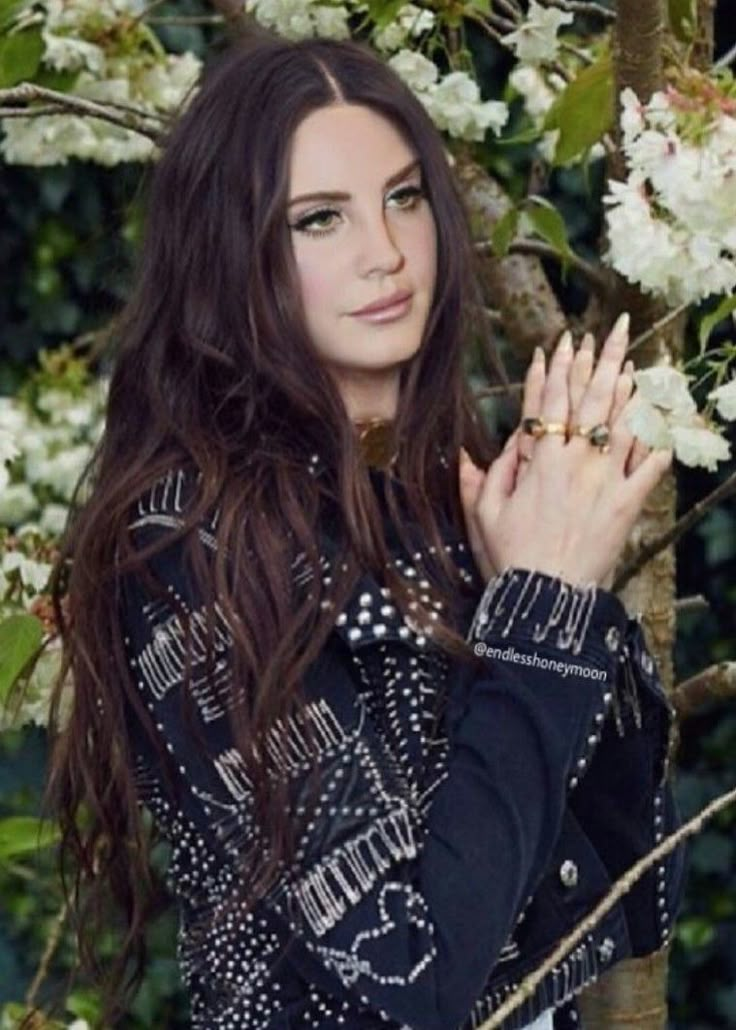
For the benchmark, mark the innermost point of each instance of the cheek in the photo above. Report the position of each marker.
(316, 282)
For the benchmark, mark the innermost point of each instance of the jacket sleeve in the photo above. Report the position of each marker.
(406, 914)
(626, 805)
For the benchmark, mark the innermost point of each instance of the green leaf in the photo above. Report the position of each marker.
(21, 834)
(530, 135)
(20, 56)
(504, 231)
(9, 11)
(708, 324)
(383, 12)
(550, 225)
(20, 638)
(62, 81)
(584, 111)
(682, 18)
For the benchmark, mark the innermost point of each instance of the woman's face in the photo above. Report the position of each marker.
(371, 236)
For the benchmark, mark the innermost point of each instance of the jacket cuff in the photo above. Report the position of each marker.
(534, 608)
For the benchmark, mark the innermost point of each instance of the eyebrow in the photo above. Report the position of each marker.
(391, 181)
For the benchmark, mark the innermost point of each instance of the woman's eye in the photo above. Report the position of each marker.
(316, 218)
(319, 223)
(411, 195)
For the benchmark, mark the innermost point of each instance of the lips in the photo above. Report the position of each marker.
(384, 303)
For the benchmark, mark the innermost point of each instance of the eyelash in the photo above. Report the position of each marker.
(415, 193)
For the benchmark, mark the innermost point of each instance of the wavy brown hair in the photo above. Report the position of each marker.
(214, 371)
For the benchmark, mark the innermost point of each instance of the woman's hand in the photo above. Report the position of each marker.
(564, 508)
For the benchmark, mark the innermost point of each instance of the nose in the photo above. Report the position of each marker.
(378, 250)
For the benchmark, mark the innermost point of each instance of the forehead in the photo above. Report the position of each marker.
(343, 146)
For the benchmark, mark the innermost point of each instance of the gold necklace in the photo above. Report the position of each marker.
(377, 442)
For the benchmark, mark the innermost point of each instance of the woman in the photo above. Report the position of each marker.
(396, 731)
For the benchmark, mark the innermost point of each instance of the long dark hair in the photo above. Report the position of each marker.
(215, 372)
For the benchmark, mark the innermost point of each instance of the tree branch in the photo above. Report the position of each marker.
(515, 285)
(236, 17)
(657, 327)
(622, 886)
(698, 510)
(693, 603)
(716, 683)
(131, 118)
(538, 248)
(583, 7)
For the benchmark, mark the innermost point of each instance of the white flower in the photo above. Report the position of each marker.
(532, 86)
(53, 519)
(697, 446)
(17, 502)
(33, 574)
(8, 448)
(331, 21)
(536, 38)
(416, 70)
(290, 18)
(725, 398)
(60, 471)
(663, 414)
(454, 104)
(168, 82)
(410, 21)
(667, 388)
(648, 424)
(67, 53)
(684, 248)
(12, 416)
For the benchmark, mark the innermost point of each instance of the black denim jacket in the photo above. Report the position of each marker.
(468, 819)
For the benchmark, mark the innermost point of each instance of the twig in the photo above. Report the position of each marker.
(725, 59)
(583, 7)
(489, 30)
(690, 604)
(66, 103)
(620, 887)
(655, 327)
(48, 954)
(183, 19)
(576, 52)
(511, 9)
(538, 248)
(234, 13)
(698, 510)
(716, 683)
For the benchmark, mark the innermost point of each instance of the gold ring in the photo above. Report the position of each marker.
(533, 426)
(537, 427)
(559, 428)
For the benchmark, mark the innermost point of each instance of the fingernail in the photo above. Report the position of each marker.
(565, 344)
(588, 342)
(621, 326)
(538, 354)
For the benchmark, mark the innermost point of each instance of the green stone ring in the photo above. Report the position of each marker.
(599, 436)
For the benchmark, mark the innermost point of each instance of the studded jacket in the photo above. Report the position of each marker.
(468, 819)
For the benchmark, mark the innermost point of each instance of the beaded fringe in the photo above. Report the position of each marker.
(570, 608)
(565, 980)
(339, 881)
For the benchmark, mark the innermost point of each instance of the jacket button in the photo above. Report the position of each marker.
(569, 873)
(606, 949)
(613, 638)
